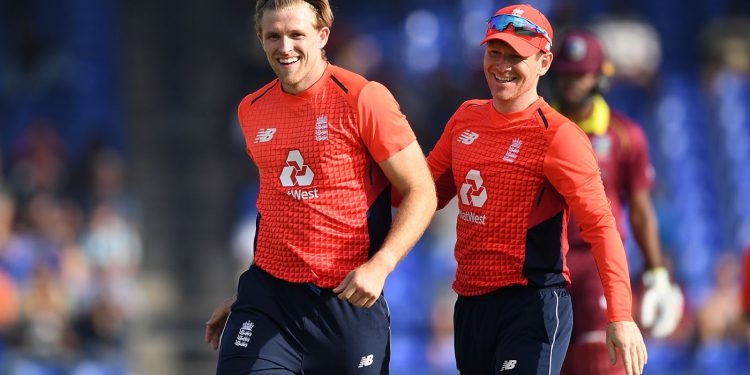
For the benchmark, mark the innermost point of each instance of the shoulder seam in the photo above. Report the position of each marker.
(264, 92)
(336, 80)
(544, 119)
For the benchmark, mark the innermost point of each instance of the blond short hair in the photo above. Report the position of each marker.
(321, 8)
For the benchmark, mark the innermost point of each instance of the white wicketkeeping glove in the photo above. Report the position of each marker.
(662, 304)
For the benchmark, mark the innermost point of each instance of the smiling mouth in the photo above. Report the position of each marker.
(288, 60)
(503, 79)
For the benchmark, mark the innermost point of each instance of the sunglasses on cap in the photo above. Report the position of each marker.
(521, 26)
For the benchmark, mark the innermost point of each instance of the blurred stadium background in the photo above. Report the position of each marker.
(127, 201)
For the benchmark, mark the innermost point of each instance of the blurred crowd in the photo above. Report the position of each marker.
(69, 259)
(70, 248)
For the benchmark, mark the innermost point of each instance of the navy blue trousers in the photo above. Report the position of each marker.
(278, 327)
(515, 330)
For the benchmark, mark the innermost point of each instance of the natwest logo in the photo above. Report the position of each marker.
(296, 173)
(472, 217)
(472, 192)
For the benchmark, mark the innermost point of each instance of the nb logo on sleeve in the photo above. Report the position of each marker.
(468, 137)
(265, 135)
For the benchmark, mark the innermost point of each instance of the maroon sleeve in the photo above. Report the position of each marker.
(639, 171)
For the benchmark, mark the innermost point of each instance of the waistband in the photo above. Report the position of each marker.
(512, 290)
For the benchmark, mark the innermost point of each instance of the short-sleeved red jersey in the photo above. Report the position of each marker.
(323, 205)
(622, 152)
(515, 176)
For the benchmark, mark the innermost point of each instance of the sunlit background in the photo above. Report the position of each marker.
(127, 203)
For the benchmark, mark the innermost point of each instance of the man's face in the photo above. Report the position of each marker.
(575, 89)
(293, 46)
(511, 76)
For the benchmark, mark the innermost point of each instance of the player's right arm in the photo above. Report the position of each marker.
(408, 173)
(391, 142)
(439, 161)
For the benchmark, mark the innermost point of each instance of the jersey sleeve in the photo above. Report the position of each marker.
(383, 128)
(745, 289)
(640, 172)
(571, 167)
(439, 161)
(242, 110)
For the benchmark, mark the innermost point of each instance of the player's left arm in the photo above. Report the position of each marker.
(662, 303)
(645, 228)
(571, 167)
(409, 174)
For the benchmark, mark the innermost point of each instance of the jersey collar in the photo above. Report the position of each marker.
(598, 122)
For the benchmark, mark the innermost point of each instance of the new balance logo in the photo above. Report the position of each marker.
(321, 128)
(518, 12)
(472, 192)
(468, 137)
(513, 150)
(508, 365)
(243, 337)
(366, 361)
(296, 173)
(265, 135)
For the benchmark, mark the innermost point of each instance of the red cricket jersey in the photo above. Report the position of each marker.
(323, 205)
(516, 175)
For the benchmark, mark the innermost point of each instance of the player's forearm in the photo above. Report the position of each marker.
(412, 218)
(646, 233)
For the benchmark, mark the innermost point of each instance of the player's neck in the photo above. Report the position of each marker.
(578, 112)
(517, 104)
(312, 77)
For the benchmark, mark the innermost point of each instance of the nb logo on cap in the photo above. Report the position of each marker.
(518, 12)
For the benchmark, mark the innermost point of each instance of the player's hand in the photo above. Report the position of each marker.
(363, 286)
(626, 338)
(215, 325)
(662, 303)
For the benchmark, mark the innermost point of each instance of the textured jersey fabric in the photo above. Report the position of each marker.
(515, 176)
(317, 155)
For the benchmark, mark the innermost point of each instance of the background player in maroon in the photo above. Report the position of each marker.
(518, 167)
(745, 289)
(327, 144)
(580, 68)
